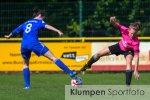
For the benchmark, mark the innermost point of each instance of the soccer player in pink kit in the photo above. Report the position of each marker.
(127, 46)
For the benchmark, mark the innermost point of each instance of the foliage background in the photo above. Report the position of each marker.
(66, 16)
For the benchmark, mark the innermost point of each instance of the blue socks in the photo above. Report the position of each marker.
(26, 74)
(61, 65)
(58, 62)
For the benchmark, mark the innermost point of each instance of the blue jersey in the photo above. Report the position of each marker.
(30, 31)
(30, 40)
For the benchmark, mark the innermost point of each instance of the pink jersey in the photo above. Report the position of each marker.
(126, 43)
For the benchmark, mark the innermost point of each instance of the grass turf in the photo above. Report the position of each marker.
(52, 86)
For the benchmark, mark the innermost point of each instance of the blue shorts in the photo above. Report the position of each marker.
(39, 49)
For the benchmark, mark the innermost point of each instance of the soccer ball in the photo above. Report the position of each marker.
(76, 81)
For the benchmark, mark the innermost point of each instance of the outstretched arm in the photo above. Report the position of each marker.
(49, 27)
(113, 21)
(8, 36)
(15, 31)
(136, 74)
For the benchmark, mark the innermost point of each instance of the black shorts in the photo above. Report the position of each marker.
(115, 49)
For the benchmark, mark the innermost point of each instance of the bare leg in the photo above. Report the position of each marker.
(95, 57)
(26, 62)
(129, 59)
(101, 53)
(60, 64)
(50, 56)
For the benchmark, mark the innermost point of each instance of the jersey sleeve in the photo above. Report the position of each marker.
(123, 29)
(42, 24)
(118, 25)
(17, 30)
(136, 49)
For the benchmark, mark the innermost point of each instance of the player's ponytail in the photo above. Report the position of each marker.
(136, 25)
(37, 11)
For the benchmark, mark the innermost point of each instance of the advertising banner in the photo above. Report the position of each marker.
(74, 55)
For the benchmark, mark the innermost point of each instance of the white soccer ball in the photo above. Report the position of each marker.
(76, 81)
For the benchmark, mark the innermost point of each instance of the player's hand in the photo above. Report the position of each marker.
(136, 74)
(113, 19)
(60, 33)
(7, 36)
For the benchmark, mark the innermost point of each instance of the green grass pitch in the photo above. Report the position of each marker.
(52, 86)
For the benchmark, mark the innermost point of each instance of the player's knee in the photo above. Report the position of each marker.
(54, 58)
(129, 58)
(51, 57)
(26, 62)
(97, 55)
(25, 66)
(129, 67)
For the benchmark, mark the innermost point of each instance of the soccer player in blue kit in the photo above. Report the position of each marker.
(31, 43)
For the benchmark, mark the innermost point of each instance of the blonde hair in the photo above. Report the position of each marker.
(136, 25)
